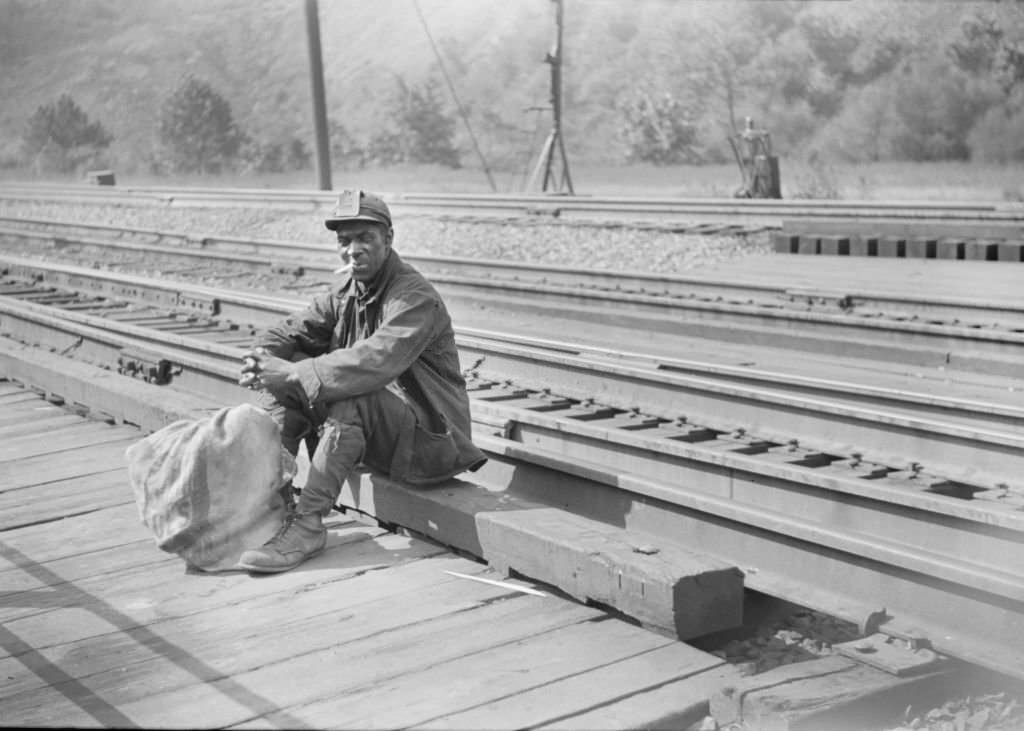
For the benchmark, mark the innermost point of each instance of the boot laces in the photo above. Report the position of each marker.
(289, 518)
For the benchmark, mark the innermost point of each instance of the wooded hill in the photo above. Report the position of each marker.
(852, 80)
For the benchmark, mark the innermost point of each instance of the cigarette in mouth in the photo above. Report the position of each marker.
(342, 270)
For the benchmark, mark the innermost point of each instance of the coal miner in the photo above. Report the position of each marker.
(368, 373)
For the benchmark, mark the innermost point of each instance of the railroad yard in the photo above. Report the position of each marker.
(752, 464)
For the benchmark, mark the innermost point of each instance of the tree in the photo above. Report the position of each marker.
(274, 156)
(421, 131)
(345, 151)
(999, 135)
(658, 130)
(61, 137)
(935, 108)
(198, 131)
(727, 44)
(431, 130)
(991, 44)
(386, 147)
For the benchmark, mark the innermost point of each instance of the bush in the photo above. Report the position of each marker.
(197, 131)
(275, 156)
(345, 151)
(998, 136)
(658, 130)
(937, 108)
(60, 137)
(431, 131)
(421, 132)
(817, 180)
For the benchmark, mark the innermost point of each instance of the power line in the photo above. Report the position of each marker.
(451, 88)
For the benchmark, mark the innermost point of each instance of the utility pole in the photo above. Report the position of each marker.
(554, 146)
(316, 72)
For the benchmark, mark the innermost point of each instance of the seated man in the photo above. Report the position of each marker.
(372, 369)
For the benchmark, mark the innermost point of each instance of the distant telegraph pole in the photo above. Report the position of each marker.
(316, 72)
(554, 145)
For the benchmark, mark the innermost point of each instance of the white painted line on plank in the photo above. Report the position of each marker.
(504, 584)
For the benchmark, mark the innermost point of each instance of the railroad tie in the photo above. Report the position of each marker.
(1010, 251)
(834, 245)
(664, 586)
(783, 243)
(860, 696)
(864, 245)
(981, 249)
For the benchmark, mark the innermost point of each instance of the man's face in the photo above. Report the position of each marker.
(366, 246)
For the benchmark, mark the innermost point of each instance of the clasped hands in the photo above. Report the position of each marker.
(277, 376)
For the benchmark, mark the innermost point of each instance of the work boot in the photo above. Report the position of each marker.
(301, 536)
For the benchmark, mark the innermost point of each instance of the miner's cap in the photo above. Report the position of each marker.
(358, 205)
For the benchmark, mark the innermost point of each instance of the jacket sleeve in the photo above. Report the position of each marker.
(408, 326)
(305, 333)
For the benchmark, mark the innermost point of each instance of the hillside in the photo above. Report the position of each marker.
(865, 80)
(119, 59)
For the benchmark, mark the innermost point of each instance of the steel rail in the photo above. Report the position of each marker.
(768, 212)
(888, 551)
(988, 413)
(835, 421)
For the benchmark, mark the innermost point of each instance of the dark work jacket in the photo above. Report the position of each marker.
(396, 332)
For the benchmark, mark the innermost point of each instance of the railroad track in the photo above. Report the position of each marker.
(320, 260)
(895, 548)
(954, 332)
(758, 214)
(970, 440)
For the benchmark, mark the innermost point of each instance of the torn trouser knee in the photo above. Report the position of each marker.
(339, 450)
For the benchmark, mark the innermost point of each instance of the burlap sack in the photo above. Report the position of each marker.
(207, 488)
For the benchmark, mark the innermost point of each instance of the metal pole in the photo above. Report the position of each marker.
(316, 72)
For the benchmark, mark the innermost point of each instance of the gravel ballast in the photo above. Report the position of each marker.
(642, 249)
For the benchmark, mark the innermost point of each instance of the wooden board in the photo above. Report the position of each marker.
(70, 497)
(22, 412)
(64, 439)
(98, 627)
(43, 468)
(39, 425)
(14, 397)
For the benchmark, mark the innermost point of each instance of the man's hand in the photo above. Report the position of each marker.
(251, 368)
(274, 375)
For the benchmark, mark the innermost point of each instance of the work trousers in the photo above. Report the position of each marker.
(363, 429)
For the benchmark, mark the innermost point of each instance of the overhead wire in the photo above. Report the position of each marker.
(533, 135)
(455, 96)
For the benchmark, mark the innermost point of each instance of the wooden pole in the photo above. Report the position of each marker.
(554, 145)
(316, 72)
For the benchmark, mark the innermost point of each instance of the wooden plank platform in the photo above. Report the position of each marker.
(100, 628)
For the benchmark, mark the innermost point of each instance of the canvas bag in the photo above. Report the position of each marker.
(207, 488)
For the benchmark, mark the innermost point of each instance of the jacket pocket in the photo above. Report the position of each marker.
(434, 456)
